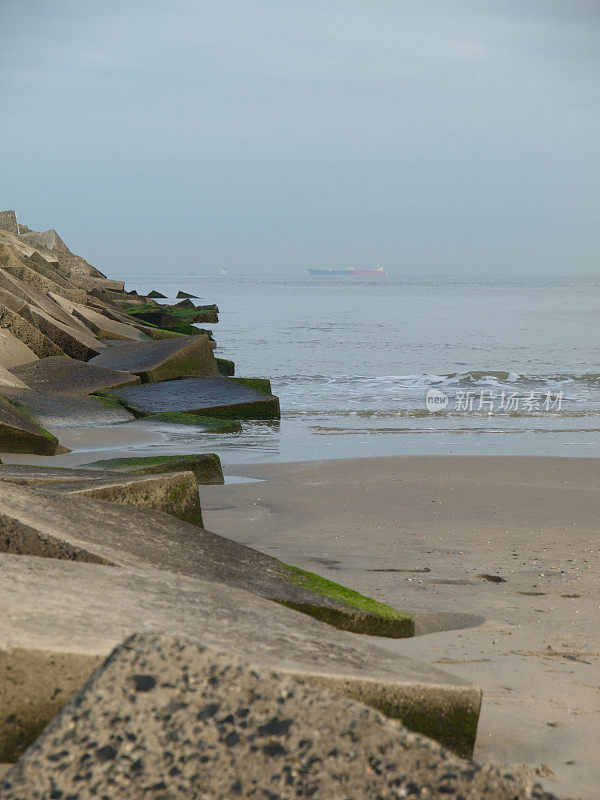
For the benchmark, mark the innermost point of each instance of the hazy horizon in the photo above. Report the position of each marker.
(433, 138)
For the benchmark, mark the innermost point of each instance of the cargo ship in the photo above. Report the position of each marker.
(378, 272)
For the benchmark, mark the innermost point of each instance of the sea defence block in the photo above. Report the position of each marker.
(232, 730)
(48, 620)
(162, 359)
(131, 537)
(105, 328)
(27, 333)
(72, 340)
(56, 410)
(156, 295)
(13, 352)
(8, 379)
(206, 424)
(205, 466)
(20, 434)
(173, 493)
(210, 397)
(182, 295)
(68, 375)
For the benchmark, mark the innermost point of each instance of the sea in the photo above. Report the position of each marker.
(404, 365)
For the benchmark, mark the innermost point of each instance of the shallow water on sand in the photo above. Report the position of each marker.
(352, 360)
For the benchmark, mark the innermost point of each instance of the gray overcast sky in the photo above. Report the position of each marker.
(429, 136)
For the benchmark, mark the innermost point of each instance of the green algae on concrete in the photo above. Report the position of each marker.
(260, 384)
(372, 617)
(205, 466)
(19, 433)
(207, 424)
(226, 367)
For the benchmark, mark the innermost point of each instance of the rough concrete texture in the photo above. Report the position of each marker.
(210, 397)
(20, 434)
(120, 601)
(27, 333)
(175, 494)
(181, 295)
(47, 302)
(72, 340)
(8, 222)
(8, 379)
(56, 410)
(163, 718)
(101, 326)
(205, 466)
(163, 359)
(156, 295)
(13, 352)
(132, 537)
(68, 375)
(30, 273)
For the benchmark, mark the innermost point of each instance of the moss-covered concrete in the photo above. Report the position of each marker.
(260, 384)
(362, 615)
(19, 433)
(196, 421)
(205, 466)
(226, 367)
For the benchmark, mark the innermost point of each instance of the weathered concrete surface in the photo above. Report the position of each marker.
(8, 379)
(27, 333)
(205, 466)
(181, 294)
(57, 410)
(156, 295)
(173, 493)
(120, 601)
(163, 717)
(68, 375)
(8, 222)
(72, 340)
(132, 537)
(163, 359)
(209, 424)
(101, 326)
(19, 434)
(211, 397)
(13, 352)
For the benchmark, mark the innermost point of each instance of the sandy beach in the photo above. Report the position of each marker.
(497, 559)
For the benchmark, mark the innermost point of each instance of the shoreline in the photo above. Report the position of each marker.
(419, 533)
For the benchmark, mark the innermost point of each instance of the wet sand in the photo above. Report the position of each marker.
(506, 546)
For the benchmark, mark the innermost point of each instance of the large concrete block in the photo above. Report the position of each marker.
(101, 326)
(165, 717)
(85, 609)
(68, 375)
(205, 466)
(29, 334)
(210, 397)
(131, 537)
(56, 410)
(73, 341)
(8, 379)
(20, 434)
(8, 222)
(163, 359)
(14, 352)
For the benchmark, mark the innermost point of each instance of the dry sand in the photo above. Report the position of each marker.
(420, 533)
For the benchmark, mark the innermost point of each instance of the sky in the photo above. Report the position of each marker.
(438, 136)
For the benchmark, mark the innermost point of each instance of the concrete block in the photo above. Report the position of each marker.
(118, 601)
(205, 466)
(165, 717)
(210, 397)
(13, 352)
(73, 341)
(29, 334)
(162, 359)
(20, 434)
(70, 376)
(56, 410)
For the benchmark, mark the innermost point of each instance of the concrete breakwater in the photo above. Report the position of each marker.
(115, 593)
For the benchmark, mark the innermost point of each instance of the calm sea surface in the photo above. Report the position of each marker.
(352, 360)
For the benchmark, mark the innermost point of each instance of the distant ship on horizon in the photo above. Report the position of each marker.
(378, 271)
